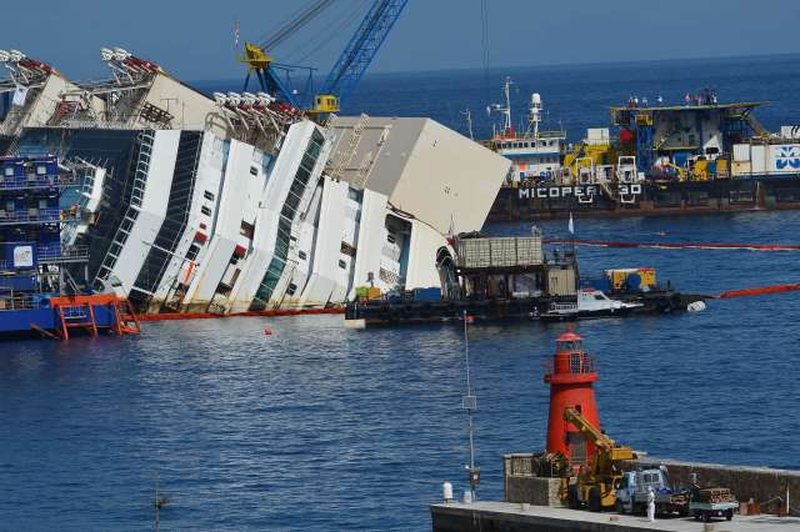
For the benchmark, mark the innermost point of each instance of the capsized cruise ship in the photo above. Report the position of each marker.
(237, 202)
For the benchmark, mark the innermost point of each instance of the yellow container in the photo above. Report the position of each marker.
(618, 278)
(373, 292)
(648, 276)
(722, 169)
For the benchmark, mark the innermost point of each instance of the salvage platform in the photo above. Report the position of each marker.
(498, 516)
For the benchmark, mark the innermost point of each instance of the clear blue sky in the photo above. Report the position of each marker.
(194, 39)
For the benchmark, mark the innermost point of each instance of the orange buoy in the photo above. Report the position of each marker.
(267, 331)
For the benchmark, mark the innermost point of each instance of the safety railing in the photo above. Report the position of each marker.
(30, 216)
(8, 303)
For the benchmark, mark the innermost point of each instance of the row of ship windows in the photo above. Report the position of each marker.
(40, 170)
(531, 144)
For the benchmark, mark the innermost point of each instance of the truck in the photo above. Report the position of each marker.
(706, 503)
(632, 493)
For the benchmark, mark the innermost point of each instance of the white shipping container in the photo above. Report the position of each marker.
(758, 159)
(500, 252)
(597, 136)
(784, 158)
(790, 132)
(529, 251)
(741, 152)
(740, 168)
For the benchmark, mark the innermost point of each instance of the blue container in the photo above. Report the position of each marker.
(634, 281)
(427, 294)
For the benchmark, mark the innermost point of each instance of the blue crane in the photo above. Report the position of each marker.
(359, 53)
(348, 69)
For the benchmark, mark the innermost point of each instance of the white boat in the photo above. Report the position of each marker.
(591, 303)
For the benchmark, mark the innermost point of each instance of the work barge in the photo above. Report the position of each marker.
(503, 279)
(586, 481)
(700, 156)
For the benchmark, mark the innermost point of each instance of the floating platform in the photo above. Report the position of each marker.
(523, 517)
(383, 312)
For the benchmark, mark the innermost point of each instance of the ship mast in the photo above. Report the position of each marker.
(507, 110)
(535, 113)
(468, 114)
(504, 109)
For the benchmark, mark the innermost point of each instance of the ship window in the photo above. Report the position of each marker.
(342, 264)
(253, 170)
(391, 239)
(9, 171)
(205, 210)
(247, 230)
(41, 169)
(302, 255)
(194, 249)
(208, 195)
(291, 289)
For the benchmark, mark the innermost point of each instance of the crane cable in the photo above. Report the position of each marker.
(485, 41)
(300, 19)
(722, 246)
(312, 46)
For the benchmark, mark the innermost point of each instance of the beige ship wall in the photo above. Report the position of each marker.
(189, 108)
(449, 177)
(425, 244)
(427, 170)
(44, 101)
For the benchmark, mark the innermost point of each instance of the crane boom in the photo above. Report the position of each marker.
(362, 48)
(571, 415)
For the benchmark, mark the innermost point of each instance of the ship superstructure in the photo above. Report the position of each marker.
(237, 202)
(535, 153)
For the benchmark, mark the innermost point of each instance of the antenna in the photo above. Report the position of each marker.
(468, 114)
(505, 110)
(470, 404)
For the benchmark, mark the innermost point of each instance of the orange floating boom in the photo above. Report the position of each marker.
(678, 245)
(760, 291)
(174, 316)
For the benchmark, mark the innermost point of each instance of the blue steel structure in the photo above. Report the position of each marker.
(33, 262)
(346, 72)
(363, 46)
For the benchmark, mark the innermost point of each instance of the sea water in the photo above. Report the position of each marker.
(319, 427)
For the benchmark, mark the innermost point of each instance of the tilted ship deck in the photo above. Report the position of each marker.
(186, 202)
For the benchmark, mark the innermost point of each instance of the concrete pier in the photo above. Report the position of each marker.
(761, 484)
(516, 517)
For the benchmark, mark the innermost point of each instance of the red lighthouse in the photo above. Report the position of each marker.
(571, 375)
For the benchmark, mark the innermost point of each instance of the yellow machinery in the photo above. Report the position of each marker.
(596, 485)
(587, 155)
(255, 57)
(325, 104)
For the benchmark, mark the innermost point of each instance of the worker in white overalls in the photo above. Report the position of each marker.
(651, 505)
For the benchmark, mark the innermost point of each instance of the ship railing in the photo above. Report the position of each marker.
(578, 363)
(18, 182)
(31, 216)
(56, 253)
(16, 302)
(553, 134)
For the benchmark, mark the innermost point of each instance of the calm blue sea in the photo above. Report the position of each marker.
(322, 428)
